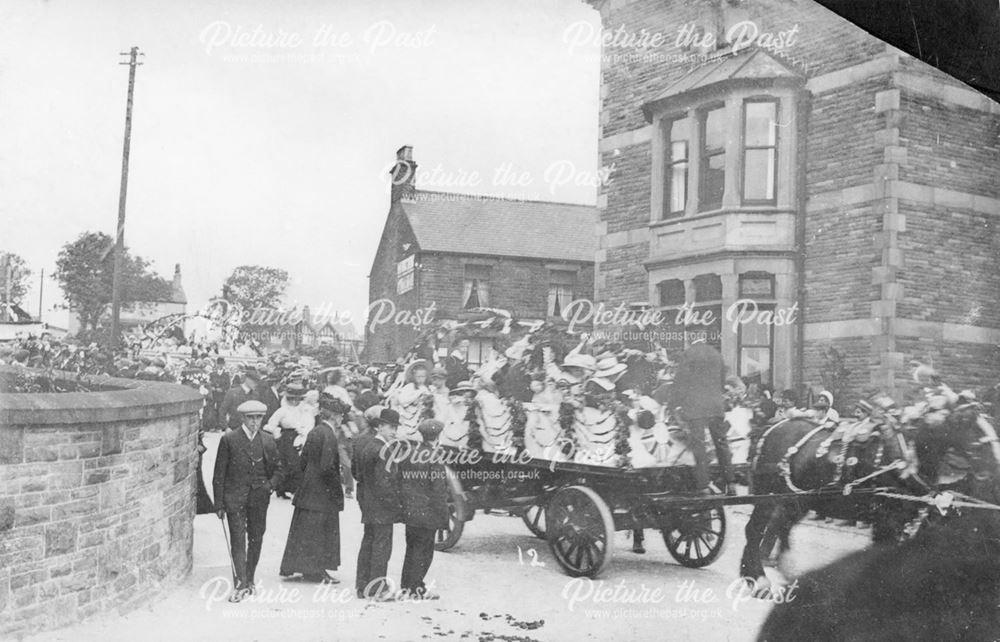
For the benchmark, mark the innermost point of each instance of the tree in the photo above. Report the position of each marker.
(255, 286)
(85, 272)
(19, 275)
(325, 355)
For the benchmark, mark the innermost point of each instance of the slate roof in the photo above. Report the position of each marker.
(467, 224)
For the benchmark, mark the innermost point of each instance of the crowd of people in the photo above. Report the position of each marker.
(320, 437)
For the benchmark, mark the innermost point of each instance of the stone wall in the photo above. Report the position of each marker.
(97, 500)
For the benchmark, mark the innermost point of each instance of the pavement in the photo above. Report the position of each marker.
(498, 583)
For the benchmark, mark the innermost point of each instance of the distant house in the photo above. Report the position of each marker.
(288, 331)
(459, 252)
(15, 323)
(137, 314)
(318, 330)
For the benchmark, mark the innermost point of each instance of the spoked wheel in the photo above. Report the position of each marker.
(445, 538)
(534, 519)
(580, 531)
(695, 537)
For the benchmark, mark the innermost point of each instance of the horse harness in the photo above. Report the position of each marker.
(852, 433)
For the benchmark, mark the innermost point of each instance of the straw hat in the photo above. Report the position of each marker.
(462, 387)
(608, 366)
(413, 365)
(577, 360)
(295, 390)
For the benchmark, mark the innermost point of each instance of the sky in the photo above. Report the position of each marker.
(263, 131)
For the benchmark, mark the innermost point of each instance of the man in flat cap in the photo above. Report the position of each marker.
(247, 470)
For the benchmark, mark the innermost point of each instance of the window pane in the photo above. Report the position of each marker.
(715, 132)
(758, 175)
(757, 284)
(706, 323)
(760, 128)
(559, 297)
(755, 334)
(475, 294)
(713, 181)
(756, 361)
(678, 151)
(707, 287)
(678, 187)
(672, 292)
(679, 131)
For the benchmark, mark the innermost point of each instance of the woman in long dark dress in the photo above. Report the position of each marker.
(313, 545)
(204, 503)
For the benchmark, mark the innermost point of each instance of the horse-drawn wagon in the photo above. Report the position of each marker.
(565, 431)
(578, 508)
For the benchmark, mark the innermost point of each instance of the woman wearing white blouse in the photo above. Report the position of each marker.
(286, 424)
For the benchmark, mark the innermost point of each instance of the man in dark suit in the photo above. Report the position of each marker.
(267, 391)
(381, 507)
(219, 384)
(237, 395)
(247, 470)
(697, 391)
(425, 508)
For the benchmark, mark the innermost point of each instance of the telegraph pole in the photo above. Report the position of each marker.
(41, 290)
(116, 287)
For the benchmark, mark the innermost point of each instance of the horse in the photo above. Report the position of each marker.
(944, 583)
(797, 456)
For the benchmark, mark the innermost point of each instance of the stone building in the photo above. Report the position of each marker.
(769, 150)
(442, 255)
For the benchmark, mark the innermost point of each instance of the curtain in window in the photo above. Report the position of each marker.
(559, 297)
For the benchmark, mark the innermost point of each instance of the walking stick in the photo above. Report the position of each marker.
(229, 549)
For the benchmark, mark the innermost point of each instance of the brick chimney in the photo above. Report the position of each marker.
(176, 287)
(403, 174)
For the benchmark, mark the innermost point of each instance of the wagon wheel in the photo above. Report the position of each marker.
(445, 538)
(695, 537)
(534, 519)
(580, 531)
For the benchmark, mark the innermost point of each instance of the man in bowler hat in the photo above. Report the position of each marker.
(229, 416)
(247, 470)
(381, 507)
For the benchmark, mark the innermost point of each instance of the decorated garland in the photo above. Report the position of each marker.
(475, 437)
(622, 447)
(567, 417)
(518, 420)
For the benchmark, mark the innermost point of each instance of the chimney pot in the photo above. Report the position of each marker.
(403, 173)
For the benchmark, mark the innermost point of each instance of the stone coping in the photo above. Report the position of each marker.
(134, 399)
